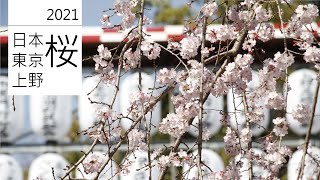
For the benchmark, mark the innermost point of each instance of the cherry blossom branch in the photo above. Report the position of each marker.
(181, 61)
(123, 137)
(285, 93)
(307, 139)
(282, 25)
(126, 46)
(233, 51)
(285, 50)
(179, 139)
(88, 58)
(236, 118)
(141, 15)
(199, 140)
(74, 166)
(246, 110)
(318, 174)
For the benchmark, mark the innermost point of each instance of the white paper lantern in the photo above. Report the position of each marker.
(239, 117)
(303, 88)
(311, 168)
(11, 122)
(210, 158)
(103, 93)
(138, 170)
(42, 166)
(107, 173)
(259, 172)
(129, 87)
(51, 116)
(211, 116)
(10, 169)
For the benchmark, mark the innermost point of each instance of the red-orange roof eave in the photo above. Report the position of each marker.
(161, 34)
(3, 40)
(90, 39)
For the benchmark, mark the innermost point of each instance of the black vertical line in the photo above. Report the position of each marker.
(60, 40)
(67, 39)
(75, 39)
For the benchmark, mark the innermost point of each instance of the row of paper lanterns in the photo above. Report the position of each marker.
(42, 166)
(51, 115)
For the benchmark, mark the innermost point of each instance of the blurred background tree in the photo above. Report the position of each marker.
(166, 14)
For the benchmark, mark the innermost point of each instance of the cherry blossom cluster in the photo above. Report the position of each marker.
(231, 142)
(302, 113)
(138, 100)
(275, 156)
(272, 70)
(150, 49)
(136, 140)
(93, 162)
(131, 59)
(303, 16)
(264, 32)
(123, 9)
(104, 65)
(280, 126)
(274, 100)
(189, 47)
(175, 159)
(236, 76)
(112, 129)
(209, 9)
(166, 76)
(242, 17)
(174, 124)
(312, 54)
(231, 171)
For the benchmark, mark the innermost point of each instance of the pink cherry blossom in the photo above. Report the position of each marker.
(136, 140)
(189, 47)
(131, 59)
(261, 14)
(105, 20)
(281, 126)
(150, 49)
(231, 142)
(265, 31)
(312, 54)
(245, 136)
(306, 13)
(302, 113)
(173, 45)
(93, 162)
(104, 52)
(166, 76)
(209, 9)
(226, 32)
(174, 125)
(274, 101)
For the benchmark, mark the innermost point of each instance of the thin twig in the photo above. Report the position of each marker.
(246, 110)
(307, 139)
(199, 140)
